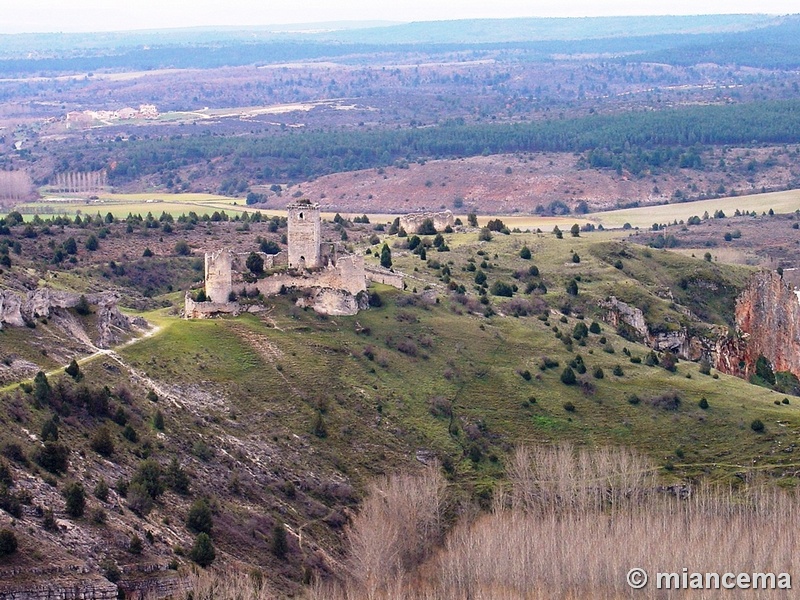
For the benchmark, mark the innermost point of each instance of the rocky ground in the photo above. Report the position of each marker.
(509, 184)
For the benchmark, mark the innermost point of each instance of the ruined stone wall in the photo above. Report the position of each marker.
(304, 235)
(768, 317)
(347, 274)
(271, 261)
(441, 220)
(384, 276)
(206, 310)
(275, 260)
(218, 275)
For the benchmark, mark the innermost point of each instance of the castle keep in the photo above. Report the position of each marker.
(333, 281)
(304, 235)
(218, 275)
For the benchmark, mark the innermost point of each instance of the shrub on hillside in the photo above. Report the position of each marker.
(5, 475)
(501, 288)
(102, 442)
(75, 498)
(200, 519)
(669, 362)
(203, 552)
(8, 542)
(665, 401)
(150, 476)
(139, 499)
(73, 370)
(280, 544)
(53, 457)
(182, 248)
(176, 478)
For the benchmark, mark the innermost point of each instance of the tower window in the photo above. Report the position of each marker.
(301, 215)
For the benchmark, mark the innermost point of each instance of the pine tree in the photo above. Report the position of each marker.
(73, 370)
(280, 545)
(200, 519)
(386, 257)
(203, 552)
(75, 497)
(41, 389)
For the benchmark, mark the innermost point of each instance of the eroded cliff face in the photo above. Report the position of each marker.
(680, 342)
(17, 310)
(768, 323)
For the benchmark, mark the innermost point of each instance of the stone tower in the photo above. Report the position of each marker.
(218, 275)
(304, 235)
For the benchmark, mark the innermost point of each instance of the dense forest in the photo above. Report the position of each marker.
(638, 142)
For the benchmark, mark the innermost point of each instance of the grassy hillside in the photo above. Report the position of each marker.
(280, 419)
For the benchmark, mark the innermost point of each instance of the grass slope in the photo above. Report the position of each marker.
(284, 416)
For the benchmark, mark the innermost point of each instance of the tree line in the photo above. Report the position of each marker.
(670, 137)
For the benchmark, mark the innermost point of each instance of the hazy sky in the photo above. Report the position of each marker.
(18, 16)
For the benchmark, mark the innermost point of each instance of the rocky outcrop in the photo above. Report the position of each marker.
(680, 342)
(768, 324)
(730, 356)
(154, 585)
(62, 589)
(10, 309)
(88, 586)
(328, 301)
(44, 303)
(618, 312)
(70, 591)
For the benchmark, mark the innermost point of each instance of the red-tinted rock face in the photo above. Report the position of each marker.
(768, 317)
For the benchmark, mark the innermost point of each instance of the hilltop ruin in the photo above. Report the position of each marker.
(332, 280)
(412, 222)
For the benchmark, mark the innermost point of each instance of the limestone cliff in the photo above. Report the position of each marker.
(768, 320)
(681, 342)
(17, 310)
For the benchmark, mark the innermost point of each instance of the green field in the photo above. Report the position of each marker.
(645, 216)
(120, 205)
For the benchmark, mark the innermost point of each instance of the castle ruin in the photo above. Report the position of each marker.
(332, 280)
(218, 275)
(441, 220)
(304, 235)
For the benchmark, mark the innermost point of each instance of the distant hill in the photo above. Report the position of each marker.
(551, 29)
(468, 31)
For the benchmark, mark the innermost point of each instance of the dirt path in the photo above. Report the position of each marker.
(99, 352)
